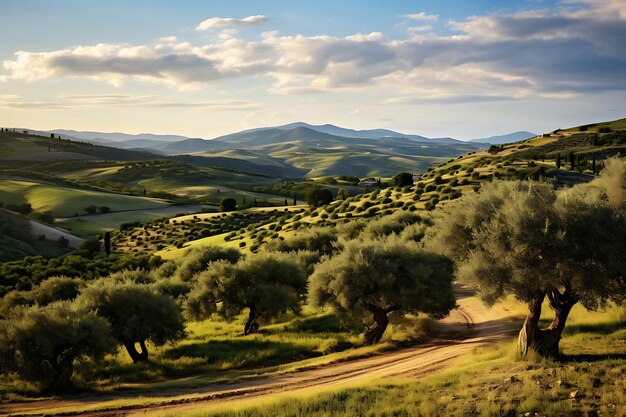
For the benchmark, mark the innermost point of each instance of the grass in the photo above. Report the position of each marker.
(188, 182)
(98, 223)
(65, 201)
(491, 381)
(216, 350)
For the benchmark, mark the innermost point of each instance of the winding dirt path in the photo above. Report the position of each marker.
(467, 328)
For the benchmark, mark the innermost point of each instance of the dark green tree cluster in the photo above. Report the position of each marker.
(44, 330)
(317, 197)
(403, 179)
(30, 271)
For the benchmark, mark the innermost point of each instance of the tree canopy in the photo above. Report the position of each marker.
(317, 197)
(403, 179)
(40, 343)
(378, 277)
(532, 241)
(197, 260)
(228, 204)
(267, 284)
(137, 313)
(318, 239)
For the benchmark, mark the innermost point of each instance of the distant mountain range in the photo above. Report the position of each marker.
(297, 150)
(251, 138)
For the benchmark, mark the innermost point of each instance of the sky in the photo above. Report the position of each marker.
(203, 68)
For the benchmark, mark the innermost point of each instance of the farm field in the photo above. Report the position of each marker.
(93, 224)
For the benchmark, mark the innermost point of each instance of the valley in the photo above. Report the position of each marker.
(282, 205)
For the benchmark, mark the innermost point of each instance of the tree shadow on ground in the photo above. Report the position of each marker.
(588, 357)
(604, 328)
(241, 353)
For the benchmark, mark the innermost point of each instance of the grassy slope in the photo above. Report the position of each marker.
(94, 224)
(27, 241)
(65, 201)
(209, 185)
(488, 382)
(27, 147)
(445, 183)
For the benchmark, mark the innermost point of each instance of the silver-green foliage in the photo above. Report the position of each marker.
(533, 241)
(40, 343)
(383, 275)
(266, 283)
(197, 260)
(137, 312)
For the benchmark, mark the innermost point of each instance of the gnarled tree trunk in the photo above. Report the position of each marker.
(251, 325)
(62, 370)
(381, 321)
(134, 354)
(546, 341)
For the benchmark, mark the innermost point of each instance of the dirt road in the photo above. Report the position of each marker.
(469, 327)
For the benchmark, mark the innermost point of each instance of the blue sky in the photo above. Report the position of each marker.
(437, 68)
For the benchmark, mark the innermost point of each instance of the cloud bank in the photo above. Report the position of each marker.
(576, 48)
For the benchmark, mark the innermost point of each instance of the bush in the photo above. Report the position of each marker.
(317, 197)
(41, 343)
(403, 179)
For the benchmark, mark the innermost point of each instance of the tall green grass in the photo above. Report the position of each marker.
(489, 382)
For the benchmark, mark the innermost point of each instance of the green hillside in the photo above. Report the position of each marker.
(172, 179)
(19, 238)
(534, 158)
(63, 201)
(23, 146)
(323, 154)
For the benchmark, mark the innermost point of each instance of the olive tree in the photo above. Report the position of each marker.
(197, 260)
(532, 241)
(318, 239)
(41, 343)
(137, 313)
(317, 197)
(403, 179)
(48, 291)
(378, 277)
(394, 223)
(267, 284)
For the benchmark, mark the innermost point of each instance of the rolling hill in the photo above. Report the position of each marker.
(312, 153)
(28, 146)
(62, 201)
(564, 157)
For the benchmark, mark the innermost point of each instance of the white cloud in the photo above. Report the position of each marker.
(218, 22)
(497, 56)
(423, 17)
